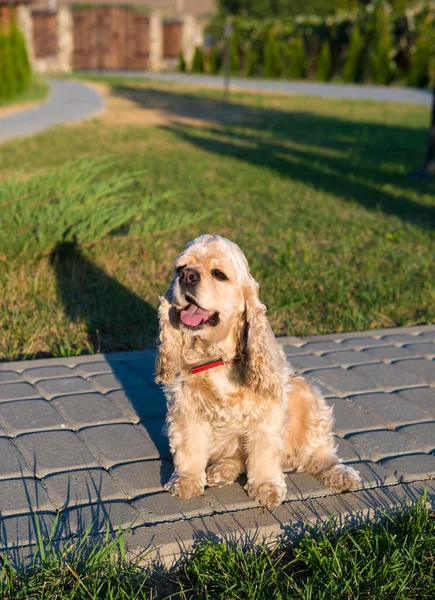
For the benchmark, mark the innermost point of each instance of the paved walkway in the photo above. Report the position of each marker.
(302, 88)
(68, 101)
(82, 436)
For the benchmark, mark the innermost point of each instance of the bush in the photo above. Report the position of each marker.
(182, 63)
(22, 70)
(324, 63)
(294, 64)
(198, 61)
(353, 68)
(380, 63)
(272, 56)
(215, 61)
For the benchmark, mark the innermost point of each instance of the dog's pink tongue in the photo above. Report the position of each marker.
(193, 315)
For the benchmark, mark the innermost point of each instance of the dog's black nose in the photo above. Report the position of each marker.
(189, 277)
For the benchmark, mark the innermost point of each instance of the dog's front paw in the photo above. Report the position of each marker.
(184, 487)
(223, 472)
(341, 478)
(268, 493)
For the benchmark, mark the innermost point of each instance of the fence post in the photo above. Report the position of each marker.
(65, 39)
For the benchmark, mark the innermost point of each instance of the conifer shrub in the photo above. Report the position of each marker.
(380, 65)
(198, 61)
(422, 59)
(294, 58)
(234, 55)
(324, 63)
(353, 67)
(7, 76)
(215, 60)
(21, 64)
(272, 66)
(251, 65)
(182, 63)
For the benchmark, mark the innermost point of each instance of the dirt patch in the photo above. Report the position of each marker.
(14, 108)
(157, 106)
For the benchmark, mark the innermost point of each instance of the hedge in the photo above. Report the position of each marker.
(369, 44)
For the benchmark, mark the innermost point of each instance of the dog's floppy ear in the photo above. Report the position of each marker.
(168, 361)
(261, 375)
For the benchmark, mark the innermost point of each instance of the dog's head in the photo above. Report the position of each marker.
(213, 296)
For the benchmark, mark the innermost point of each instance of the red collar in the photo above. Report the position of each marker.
(212, 365)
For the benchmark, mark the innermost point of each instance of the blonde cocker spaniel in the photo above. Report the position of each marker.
(234, 403)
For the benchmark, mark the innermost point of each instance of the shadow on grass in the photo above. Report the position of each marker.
(355, 161)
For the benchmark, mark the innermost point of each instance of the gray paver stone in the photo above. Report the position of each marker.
(52, 451)
(344, 382)
(100, 515)
(411, 467)
(423, 435)
(97, 367)
(348, 452)
(322, 347)
(10, 377)
(36, 374)
(381, 444)
(290, 351)
(122, 379)
(144, 366)
(400, 338)
(309, 361)
(374, 475)
(158, 508)
(428, 335)
(390, 409)
(29, 415)
(229, 497)
(360, 342)
(422, 398)
(143, 477)
(80, 410)
(50, 388)
(301, 486)
(349, 417)
(387, 353)
(3, 432)
(387, 377)
(20, 530)
(421, 369)
(140, 403)
(348, 358)
(22, 496)
(321, 387)
(117, 443)
(83, 486)
(426, 350)
(17, 391)
(154, 430)
(12, 463)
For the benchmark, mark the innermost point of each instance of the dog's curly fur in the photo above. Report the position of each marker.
(251, 416)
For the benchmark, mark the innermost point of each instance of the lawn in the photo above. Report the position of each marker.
(392, 561)
(316, 192)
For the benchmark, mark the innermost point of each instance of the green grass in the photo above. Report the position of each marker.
(36, 92)
(392, 561)
(316, 192)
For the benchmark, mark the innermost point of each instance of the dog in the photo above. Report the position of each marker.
(234, 403)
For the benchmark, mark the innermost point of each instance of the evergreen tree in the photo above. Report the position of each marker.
(294, 64)
(21, 64)
(272, 56)
(251, 61)
(353, 69)
(198, 61)
(380, 63)
(215, 60)
(234, 55)
(8, 86)
(182, 63)
(421, 71)
(324, 63)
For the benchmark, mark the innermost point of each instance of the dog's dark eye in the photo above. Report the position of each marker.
(179, 269)
(219, 275)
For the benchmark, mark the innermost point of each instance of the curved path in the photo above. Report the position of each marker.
(68, 101)
(303, 88)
